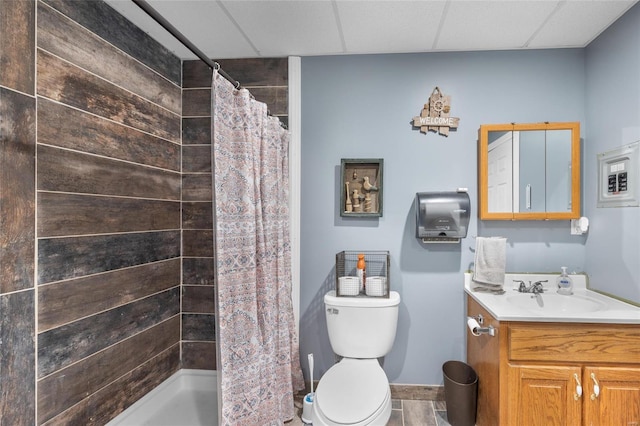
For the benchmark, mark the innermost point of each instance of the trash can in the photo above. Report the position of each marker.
(460, 393)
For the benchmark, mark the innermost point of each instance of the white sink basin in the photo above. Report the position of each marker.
(583, 306)
(552, 303)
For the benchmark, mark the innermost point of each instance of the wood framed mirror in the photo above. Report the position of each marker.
(529, 171)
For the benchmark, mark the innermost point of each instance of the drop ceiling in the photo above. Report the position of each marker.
(225, 29)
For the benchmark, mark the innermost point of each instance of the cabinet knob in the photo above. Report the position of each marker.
(596, 387)
(578, 393)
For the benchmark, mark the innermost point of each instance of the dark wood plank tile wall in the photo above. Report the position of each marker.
(267, 79)
(114, 192)
(17, 44)
(98, 408)
(198, 320)
(17, 212)
(85, 378)
(102, 21)
(108, 213)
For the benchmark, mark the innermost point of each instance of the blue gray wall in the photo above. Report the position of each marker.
(361, 107)
(613, 120)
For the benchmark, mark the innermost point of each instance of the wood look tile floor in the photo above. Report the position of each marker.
(404, 412)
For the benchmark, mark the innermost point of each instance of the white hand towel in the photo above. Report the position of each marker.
(490, 261)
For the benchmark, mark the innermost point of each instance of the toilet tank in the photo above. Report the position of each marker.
(361, 327)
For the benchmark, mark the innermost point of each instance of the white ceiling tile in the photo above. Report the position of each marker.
(486, 25)
(390, 26)
(281, 28)
(206, 25)
(268, 28)
(577, 23)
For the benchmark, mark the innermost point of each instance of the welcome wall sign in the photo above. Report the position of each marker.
(434, 116)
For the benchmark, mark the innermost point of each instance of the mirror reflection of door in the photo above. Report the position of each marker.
(503, 172)
(500, 172)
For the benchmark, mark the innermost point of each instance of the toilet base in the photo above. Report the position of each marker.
(379, 418)
(354, 392)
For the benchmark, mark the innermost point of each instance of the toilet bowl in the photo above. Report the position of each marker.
(355, 391)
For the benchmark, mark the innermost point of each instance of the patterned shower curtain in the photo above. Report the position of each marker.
(258, 363)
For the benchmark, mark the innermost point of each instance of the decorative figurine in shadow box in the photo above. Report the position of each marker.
(361, 187)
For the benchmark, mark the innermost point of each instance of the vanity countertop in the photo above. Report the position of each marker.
(584, 306)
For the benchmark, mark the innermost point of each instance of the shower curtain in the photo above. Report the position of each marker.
(258, 363)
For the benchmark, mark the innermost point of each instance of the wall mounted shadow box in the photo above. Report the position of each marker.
(361, 187)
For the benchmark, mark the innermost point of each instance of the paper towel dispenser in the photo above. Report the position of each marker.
(442, 217)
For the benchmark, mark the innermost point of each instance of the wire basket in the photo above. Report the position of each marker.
(377, 267)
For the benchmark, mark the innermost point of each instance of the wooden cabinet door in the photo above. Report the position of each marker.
(544, 396)
(617, 401)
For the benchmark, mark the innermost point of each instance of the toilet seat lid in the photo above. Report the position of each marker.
(352, 390)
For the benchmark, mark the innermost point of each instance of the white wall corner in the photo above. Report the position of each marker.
(295, 121)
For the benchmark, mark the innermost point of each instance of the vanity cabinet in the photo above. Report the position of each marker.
(537, 373)
(619, 400)
(544, 395)
(559, 395)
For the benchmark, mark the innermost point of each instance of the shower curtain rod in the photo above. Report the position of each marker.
(187, 43)
(182, 39)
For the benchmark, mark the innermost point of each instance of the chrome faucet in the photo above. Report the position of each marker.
(535, 288)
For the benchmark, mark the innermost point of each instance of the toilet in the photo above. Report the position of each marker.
(355, 391)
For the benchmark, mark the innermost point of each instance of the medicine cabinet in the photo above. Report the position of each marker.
(529, 171)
